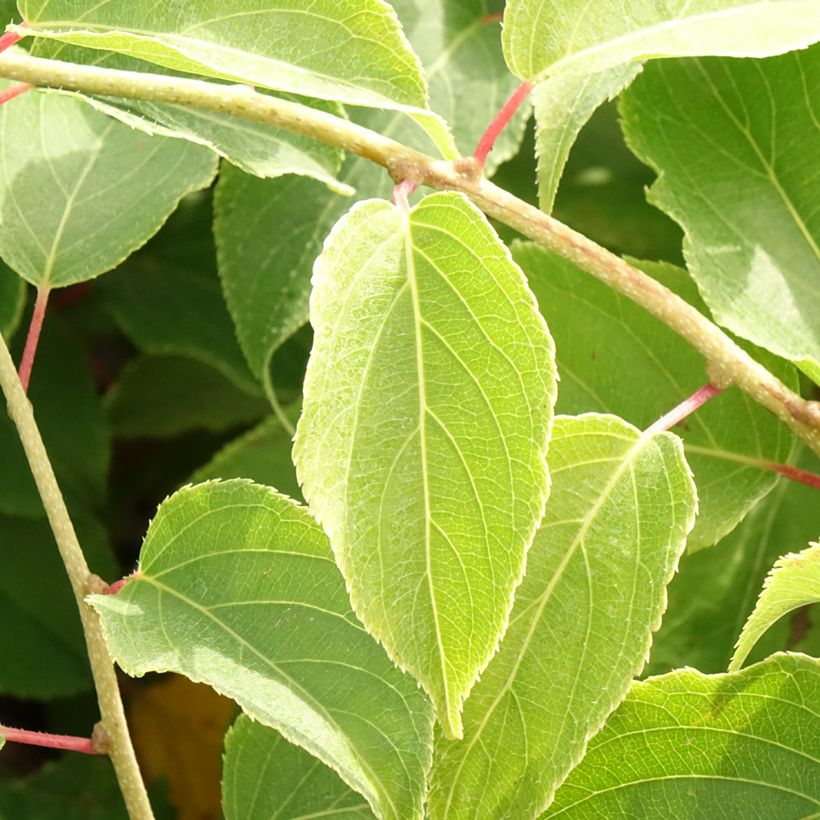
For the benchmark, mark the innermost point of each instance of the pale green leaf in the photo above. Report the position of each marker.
(794, 581)
(427, 405)
(256, 148)
(262, 455)
(586, 36)
(168, 300)
(563, 105)
(72, 421)
(715, 590)
(620, 507)
(79, 191)
(12, 300)
(264, 776)
(353, 51)
(270, 232)
(238, 588)
(42, 643)
(736, 145)
(741, 746)
(615, 357)
(165, 396)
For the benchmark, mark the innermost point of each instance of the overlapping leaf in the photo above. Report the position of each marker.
(12, 299)
(238, 588)
(427, 405)
(563, 105)
(620, 507)
(165, 396)
(582, 52)
(262, 455)
(79, 191)
(168, 300)
(264, 776)
(715, 590)
(259, 149)
(270, 232)
(793, 582)
(352, 51)
(614, 357)
(739, 170)
(544, 37)
(43, 642)
(741, 746)
(72, 421)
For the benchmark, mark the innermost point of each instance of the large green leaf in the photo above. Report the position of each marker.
(12, 300)
(256, 148)
(547, 37)
(238, 588)
(164, 396)
(715, 590)
(72, 422)
(43, 641)
(793, 582)
(614, 357)
(348, 50)
(620, 507)
(427, 406)
(270, 232)
(739, 170)
(264, 776)
(168, 300)
(743, 746)
(79, 191)
(262, 455)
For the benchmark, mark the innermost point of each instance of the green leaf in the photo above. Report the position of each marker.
(739, 172)
(742, 746)
(43, 642)
(427, 405)
(714, 590)
(614, 357)
(270, 232)
(238, 589)
(264, 776)
(256, 148)
(72, 422)
(168, 300)
(164, 396)
(263, 262)
(12, 300)
(548, 37)
(262, 455)
(794, 581)
(469, 80)
(79, 192)
(353, 51)
(563, 105)
(620, 507)
(76, 787)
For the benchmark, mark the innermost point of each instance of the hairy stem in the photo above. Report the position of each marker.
(64, 742)
(115, 730)
(728, 363)
(33, 338)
